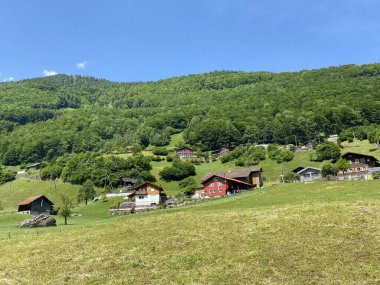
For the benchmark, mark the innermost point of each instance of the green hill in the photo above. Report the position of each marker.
(43, 118)
(325, 233)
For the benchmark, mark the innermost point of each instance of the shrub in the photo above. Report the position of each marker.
(376, 174)
(189, 181)
(328, 170)
(327, 150)
(291, 177)
(160, 151)
(178, 171)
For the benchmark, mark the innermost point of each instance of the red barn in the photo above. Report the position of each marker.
(186, 152)
(247, 175)
(216, 185)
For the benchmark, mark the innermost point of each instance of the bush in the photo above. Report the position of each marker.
(291, 177)
(160, 151)
(376, 174)
(327, 150)
(189, 181)
(171, 156)
(328, 170)
(6, 176)
(178, 171)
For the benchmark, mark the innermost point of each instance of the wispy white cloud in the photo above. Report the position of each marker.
(10, 78)
(49, 72)
(82, 64)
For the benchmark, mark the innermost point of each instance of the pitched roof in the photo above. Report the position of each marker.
(230, 179)
(185, 147)
(308, 167)
(359, 154)
(236, 173)
(32, 199)
(147, 182)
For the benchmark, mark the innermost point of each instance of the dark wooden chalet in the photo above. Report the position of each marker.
(36, 205)
(370, 160)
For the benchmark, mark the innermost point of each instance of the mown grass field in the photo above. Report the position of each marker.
(320, 233)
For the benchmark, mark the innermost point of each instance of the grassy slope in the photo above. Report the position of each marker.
(320, 233)
(12, 193)
(363, 147)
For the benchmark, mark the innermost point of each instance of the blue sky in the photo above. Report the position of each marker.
(143, 40)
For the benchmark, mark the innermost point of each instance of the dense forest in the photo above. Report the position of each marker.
(46, 118)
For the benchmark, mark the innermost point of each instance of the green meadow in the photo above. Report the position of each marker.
(317, 233)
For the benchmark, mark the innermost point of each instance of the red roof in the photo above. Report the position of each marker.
(32, 199)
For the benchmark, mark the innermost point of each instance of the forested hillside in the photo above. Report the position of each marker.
(43, 118)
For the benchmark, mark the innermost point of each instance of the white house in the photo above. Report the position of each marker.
(148, 194)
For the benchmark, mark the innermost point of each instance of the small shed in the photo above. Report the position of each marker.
(35, 166)
(128, 183)
(35, 206)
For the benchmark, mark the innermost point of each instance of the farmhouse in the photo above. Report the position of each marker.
(216, 185)
(224, 149)
(148, 194)
(248, 175)
(186, 152)
(308, 174)
(232, 181)
(370, 160)
(35, 206)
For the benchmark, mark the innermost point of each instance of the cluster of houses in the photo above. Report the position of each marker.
(148, 194)
(214, 184)
(361, 167)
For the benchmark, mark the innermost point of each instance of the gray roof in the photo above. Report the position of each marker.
(309, 167)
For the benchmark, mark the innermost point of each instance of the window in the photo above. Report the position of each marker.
(212, 184)
(141, 197)
(152, 189)
(219, 183)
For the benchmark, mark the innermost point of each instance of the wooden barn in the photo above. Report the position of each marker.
(35, 206)
(247, 175)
